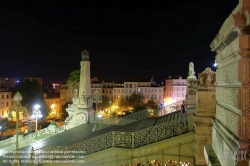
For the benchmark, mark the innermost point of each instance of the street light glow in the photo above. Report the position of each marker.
(37, 106)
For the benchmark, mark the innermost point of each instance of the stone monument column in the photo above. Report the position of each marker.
(81, 110)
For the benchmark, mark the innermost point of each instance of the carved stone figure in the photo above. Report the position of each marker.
(85, 55)
(191, 69)
(207, 77)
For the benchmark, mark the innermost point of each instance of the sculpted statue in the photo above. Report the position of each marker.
(85, 55)
(191, 69)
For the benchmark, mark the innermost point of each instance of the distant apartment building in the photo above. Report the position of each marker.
(8, 82)
(66, 93)
(119, 90)
(6, 101)
(175, 90)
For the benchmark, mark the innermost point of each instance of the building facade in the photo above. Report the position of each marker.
(230, 125)
(175, 90)
(6, 101)
(119, 90)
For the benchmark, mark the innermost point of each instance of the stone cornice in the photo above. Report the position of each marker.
(227, 28)
(230, 59)
(224, 42)
(228, 136)
(235, 110)
(230, 85)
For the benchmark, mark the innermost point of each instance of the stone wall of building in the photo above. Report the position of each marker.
(231, 129)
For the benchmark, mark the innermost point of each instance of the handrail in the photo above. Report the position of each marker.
(132, 139)
(105, 123)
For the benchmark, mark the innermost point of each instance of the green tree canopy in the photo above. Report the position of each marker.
(152, 104)
(32, 94)
(74, 79)
(104, 104)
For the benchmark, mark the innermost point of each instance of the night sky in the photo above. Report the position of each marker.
(142, 38)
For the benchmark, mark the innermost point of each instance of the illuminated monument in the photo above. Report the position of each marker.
(81, 110)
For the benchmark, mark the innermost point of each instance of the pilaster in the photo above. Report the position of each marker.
(205, 110)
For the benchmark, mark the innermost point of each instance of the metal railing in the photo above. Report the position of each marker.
(47, 132)
(132, 140)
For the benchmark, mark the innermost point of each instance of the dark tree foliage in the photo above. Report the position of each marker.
(152, 104)
(74, 79)
(123, 103)
(32, 94)
(135, 100)
(104, 104)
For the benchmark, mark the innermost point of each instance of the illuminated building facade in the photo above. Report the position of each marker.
(175, 90)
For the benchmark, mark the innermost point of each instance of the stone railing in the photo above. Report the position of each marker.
(170, 108)
(131, 140)
(102, 123)
(44, 133)
(174, 107)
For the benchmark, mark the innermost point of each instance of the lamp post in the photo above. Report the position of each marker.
(17, 108)
(36, 114)
(100, 117)
(96, 99)
(110, 103)
(2, 130)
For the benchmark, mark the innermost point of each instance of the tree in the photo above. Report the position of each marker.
(152, 104)
(135, 100)
(74, 79)
(32, 94)
(104, 104)
(123, 103)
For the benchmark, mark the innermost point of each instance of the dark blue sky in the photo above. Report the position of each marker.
(44, 38)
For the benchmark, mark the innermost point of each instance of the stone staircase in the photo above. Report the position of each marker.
(163, 128)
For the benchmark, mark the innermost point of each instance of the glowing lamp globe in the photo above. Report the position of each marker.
(18, 97)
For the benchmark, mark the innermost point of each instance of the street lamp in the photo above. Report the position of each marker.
(36, 114)
(100, 117)
(110, 103)
(96, 99)
(17, 108)
(2, 130)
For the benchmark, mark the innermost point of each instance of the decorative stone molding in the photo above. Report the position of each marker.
(207, 77)
(246, 127)
(228, 118)
(239, 19)
(224, 76)
(246, 70)
(246, 13)
(227, 96)
(246, 99)
(231, 46)
(226, 28)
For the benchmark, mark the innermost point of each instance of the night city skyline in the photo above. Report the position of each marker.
(126, 38)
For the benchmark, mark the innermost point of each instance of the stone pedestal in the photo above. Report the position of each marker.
(191, 87)
(191, 96)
